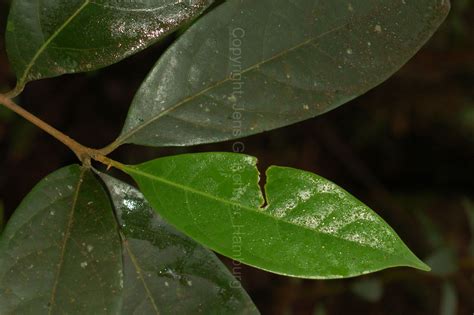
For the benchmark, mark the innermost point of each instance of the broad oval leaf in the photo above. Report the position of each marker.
(310, 228)
(250, 66)
(166, 272)
(60, 252)
(49, 38)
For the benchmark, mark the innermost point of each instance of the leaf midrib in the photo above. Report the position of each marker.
(49, 40)
(140, 274)
(123, 138)
(66, 237)
(131, 169)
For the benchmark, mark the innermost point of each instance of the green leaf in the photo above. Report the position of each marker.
(250, 66)
(49, 38)
(310, 228)
(60, 252)
(165, 272)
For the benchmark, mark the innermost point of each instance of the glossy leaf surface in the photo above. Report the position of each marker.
(50, 38)
(60, 253)
(250, 66)
(165, 272)
(310, 228)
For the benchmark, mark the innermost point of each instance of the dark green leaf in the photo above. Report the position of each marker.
(251, 66)
(50, 38)
(310, 228)
(165, 272)
(60, 252)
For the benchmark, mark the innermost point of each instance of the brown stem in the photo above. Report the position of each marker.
(99, 157)
(109, 149)
(83, 153)
(15, 92)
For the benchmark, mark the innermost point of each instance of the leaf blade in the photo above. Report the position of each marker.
(60, 251)
(282, 63)
(310, 228)
(47, 39)
(165, 272)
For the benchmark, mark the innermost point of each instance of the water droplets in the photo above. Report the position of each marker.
(309, 221)
(130, 204)
(249, 160)
(120, 273)
(282, 210)
(305, 195)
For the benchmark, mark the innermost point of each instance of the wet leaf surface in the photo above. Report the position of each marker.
(60, 252)
(250, 66)
(166, 272)
(310, 228)
(49, 38)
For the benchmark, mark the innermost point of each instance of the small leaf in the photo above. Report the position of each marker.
(310, 228)
(49, 38)
(165, 272)
(60, 252)
(250, 66)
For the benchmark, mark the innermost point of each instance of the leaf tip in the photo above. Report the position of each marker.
(422, 266)
(416, 263)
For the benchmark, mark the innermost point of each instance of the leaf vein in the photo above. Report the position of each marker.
(49, 40)
(131, 169)
(121, 139)
(66, 238)
(140, 275)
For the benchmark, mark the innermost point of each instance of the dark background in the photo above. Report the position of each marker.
(406, 149)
